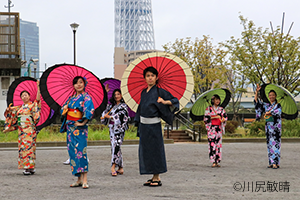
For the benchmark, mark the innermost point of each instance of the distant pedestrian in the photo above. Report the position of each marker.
(215, 120)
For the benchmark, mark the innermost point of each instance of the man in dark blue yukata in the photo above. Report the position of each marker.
(156, 104)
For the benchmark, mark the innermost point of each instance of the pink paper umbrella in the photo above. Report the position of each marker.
(57, 86)
(112, 85)
(29, 84)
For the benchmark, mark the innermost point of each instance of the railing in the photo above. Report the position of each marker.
(180, 119)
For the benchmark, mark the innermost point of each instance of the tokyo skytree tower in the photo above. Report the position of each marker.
(134, 25)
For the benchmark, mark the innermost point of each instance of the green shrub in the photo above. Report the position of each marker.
(235, 124)
(230, 127)
(256, 128)
(200, 127)
(290, 128)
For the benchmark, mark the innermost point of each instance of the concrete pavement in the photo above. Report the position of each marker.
(189, 174)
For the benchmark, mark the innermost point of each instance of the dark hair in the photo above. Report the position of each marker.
(274, 93)
(213, 99)
(150, 69)
(23, 92)
(75, 80)
(112, 99)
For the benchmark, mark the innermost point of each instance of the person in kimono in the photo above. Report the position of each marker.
(25, 118)
(215, 120)
(155, 104)
(77, 111)
(272, 116)
(116, 116)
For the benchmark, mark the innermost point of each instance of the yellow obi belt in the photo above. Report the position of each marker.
(74, 114)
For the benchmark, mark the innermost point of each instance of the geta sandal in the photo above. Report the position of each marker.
(156, 185)
(85, 186)
(76, 184)
(148, 182)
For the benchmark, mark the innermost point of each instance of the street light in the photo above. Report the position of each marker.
(28, 67)
(74, 27)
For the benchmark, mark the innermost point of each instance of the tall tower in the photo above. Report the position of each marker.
(134, 25)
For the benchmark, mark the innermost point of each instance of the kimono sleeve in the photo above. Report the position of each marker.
(105, 120)
(166, 111)
(88, 108)
(62, 108)
(224, 115)
(36, 111)
(11, 120)
(207, 118)
(259, 109)
(120, 119)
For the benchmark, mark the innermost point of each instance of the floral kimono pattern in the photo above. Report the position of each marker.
(77, 136)
(117, 127)
(272, 128)
(25, 118)
(214, 133)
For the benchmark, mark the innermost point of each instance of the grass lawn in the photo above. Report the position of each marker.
(49, 134)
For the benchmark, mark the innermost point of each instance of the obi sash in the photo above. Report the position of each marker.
(24, 119)
(152, 120)
(74, 114)
(269, 118)
(216, 121)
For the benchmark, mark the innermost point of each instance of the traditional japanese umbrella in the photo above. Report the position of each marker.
(56, 86)
(29, 84)
(174, 75)
(203, 101)
(114, 84)
(284, 97)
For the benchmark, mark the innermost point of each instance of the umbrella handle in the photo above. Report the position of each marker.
(106, 113)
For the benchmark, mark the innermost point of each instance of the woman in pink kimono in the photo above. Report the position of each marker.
(215, 120)
(25, 118)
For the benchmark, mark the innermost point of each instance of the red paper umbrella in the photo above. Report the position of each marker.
(57, 86)
(29, 84)
(174, 75)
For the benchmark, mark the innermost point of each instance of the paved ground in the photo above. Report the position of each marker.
(189, 174)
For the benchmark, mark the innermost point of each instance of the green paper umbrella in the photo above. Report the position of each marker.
(203, 101)
(284, 97)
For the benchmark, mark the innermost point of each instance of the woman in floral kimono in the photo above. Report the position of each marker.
(215, 120)
(79, 110)
(273, 126)
(116, 115)
(25, 118)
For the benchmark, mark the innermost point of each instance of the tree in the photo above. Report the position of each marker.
(266, 57)
(236, 84)
(205, 61)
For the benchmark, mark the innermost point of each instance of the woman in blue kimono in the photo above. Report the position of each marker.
(116, 116)
(272, 116)
(79, 110)
(155, 103)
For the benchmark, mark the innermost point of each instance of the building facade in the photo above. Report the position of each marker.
(29, 36)
(10, 62)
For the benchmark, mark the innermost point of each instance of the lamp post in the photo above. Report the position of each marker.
(29, 68)
(74, 27)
